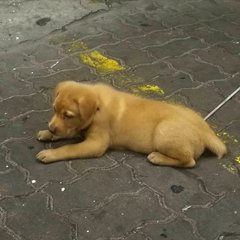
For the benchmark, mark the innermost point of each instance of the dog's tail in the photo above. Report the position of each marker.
(215, 144)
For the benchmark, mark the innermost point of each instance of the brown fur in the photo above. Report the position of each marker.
(170, 134)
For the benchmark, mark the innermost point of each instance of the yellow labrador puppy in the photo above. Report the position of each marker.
(170, 134)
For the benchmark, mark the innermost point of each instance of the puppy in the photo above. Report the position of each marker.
(170, 134)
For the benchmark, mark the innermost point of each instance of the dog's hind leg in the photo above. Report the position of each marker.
(175, 145)
(161, 159)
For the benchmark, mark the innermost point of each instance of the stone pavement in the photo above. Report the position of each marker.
(186, 51)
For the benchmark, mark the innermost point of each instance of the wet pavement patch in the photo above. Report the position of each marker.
(144, 24)
(163, 235)
(177, 188)
(43, 21)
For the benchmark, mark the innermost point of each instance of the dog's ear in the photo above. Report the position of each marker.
(87, 105)
(58, 89)
(60, 86)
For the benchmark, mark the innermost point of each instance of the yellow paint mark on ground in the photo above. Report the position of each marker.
(151, 88)
(74, 47)
(237, 159)
(226, 137)
(148, 89)
(121, 78)
(94, 59)
(230, 167)
(101, 63)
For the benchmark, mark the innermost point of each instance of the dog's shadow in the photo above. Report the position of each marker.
(207, 154)
(62, 142)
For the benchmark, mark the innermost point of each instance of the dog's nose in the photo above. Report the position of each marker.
(52, 129)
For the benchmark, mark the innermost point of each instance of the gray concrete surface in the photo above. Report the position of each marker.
(184, 51)
(24, 20)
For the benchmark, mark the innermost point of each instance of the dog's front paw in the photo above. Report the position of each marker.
(44, 135)
(47, 156)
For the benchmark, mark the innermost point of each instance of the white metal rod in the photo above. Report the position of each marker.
(222, 103)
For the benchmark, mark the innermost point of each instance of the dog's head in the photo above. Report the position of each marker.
(74, 107)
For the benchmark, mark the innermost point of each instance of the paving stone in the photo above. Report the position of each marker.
(200, 71)
(159, 74)
(137, 236)
(94, 6)
(179, 14)
(216, 8)
(179, 190)
(4, 235)
(2, 67)
(13, 86)
(226, 87)
(22, 104)
(105, 162)
(38, 173)
(121, 80)
(177, 19)
(10, 190)
(113, 25)
(175, 83)
(26, 74)
(232, 47)
(198, 96)
(171, 230)
(88, 43)
(58, 65)
(220, 57)
(75, 31)
(39, 53)
(90, 189)
(228, 28)
(215, 181)
(175, 48)
(205, 33)
(144, 6)
(157, 37)
(188, 10)
(25, 126)
(214, 216)
(149, 71)
(120, 215)
(231, 129)
(16, 59)
(146, 24)
(4, 166)
(9, 171)
(223, 118)
(50, 81)
(22, 18)
(129, 55)
(233, 18)
(45, 225)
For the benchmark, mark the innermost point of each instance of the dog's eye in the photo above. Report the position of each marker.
(68, 115)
